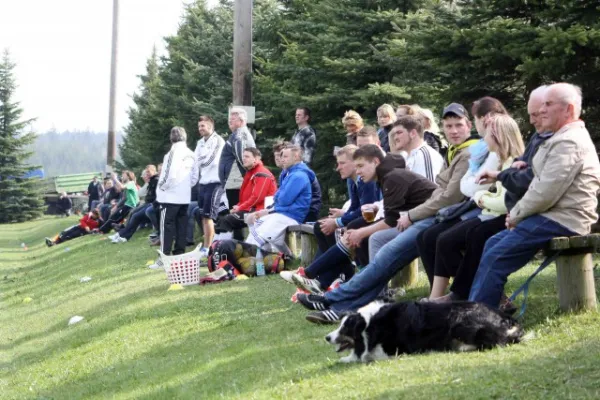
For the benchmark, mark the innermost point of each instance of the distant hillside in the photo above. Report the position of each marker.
(71, 152)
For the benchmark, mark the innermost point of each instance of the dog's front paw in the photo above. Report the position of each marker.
(349, 358)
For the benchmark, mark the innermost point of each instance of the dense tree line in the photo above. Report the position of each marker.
(335, 55)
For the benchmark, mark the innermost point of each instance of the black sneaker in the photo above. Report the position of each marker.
(323, 317)
(313, 301)
(49, 242)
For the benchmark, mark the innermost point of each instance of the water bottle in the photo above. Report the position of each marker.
(260, 265)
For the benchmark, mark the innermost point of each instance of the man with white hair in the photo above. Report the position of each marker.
(561, 199)
(238, 141)
(178, 175)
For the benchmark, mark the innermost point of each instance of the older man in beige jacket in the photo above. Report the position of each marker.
(561, 199)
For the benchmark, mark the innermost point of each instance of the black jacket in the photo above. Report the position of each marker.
(151, 193)
(517, 181)
(95, 191)
(402, 189)
(65, 203)
(110, 195)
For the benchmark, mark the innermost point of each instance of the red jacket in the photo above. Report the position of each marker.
(88, 222)
(258, 183)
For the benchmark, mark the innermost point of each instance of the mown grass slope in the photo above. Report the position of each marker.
(237, 339)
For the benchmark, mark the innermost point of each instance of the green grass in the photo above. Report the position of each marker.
(238, 339)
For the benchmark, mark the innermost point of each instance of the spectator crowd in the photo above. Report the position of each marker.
(469, 198)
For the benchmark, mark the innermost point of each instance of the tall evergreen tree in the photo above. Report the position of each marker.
(20, 199)
(503, 48)
(326, 56)
(146, 137)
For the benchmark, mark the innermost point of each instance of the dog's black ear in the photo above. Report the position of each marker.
(350, 321)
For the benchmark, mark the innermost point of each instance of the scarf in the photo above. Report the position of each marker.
(452, 150)
(479, 152)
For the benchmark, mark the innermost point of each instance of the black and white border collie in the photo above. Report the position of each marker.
(382, 330)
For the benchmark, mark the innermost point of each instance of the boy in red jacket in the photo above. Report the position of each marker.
(87, 224)
(258, 183)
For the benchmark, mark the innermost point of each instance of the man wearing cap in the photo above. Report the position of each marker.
(370, 282)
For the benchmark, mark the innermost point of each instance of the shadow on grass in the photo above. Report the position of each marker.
(230, 371)
(572, 370)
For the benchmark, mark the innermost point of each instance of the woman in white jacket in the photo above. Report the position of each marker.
(179, 173)
(459, 249)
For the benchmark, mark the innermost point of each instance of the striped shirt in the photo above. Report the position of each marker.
(208, 154)
(425, 161)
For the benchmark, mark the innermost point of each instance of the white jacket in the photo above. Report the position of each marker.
(208, 154)
(179, 173)
(468, 187)
(425, 161)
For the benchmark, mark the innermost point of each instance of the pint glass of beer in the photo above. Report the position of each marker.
(368, 213)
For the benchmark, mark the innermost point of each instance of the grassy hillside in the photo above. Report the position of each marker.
(238, 339)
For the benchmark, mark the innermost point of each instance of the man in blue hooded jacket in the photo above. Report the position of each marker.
(291, 204)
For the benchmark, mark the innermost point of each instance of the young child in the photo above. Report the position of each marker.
(87, 224)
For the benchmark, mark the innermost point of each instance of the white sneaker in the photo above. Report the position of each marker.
(113, 237)
(119, 239)
(287, 276)
(311, 285)
(157, 265)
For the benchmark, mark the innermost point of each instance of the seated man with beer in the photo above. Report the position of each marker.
(359, 193)
(402, 190)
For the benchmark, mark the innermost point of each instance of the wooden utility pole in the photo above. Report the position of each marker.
(242, 53)
(111, 150)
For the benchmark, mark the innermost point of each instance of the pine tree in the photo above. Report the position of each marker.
(467, 49)
(20, 199)
(326, 55)
(147, 135)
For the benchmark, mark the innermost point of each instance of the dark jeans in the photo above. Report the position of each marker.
(105, 211)
(233, 222)
(427, 244)
(459, 250)
(509, 251)
(192, 210)
(173, 223)
(152, 213)
(138, 217)
(115, 218)
(71, 233)
(330, 265)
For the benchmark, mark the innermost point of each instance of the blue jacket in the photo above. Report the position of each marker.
(293, 199)
(360, 193)
(315, 202)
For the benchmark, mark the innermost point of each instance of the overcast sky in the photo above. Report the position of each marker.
(62, 50)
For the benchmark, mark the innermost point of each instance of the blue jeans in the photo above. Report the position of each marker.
(152, 214)
(191, 222)
(509, 251)
(365, 286)
(380, 239)
(138, 217)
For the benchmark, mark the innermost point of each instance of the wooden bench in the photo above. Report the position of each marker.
(575, 271)
(302, 242)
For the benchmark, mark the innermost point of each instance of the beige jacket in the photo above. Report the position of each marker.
(566, 181)
(448, 192)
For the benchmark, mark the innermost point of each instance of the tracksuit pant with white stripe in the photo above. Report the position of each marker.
(173, 225)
